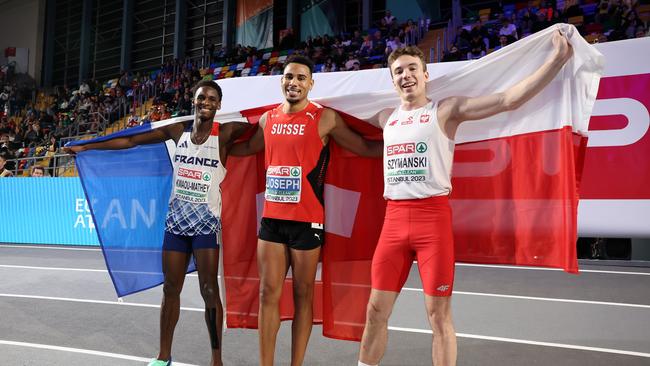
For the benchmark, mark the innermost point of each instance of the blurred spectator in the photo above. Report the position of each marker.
(367, 46)
(395, 43)
(352, 63)
(84, 88)
(477, 45)
(503, 41)
(328, 66)
(390, 20)
(453, 54)
(37, 171)
(540, 23)
(4, 172)
(475, 53)
(277, 69)
(287, 40)
(34, 135)
(508, 29)
(185, 105)
(134, 119)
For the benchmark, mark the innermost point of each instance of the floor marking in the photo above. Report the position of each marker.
(88, 301)
(548, 269)
(590, 302)
(401, 329)
(524, 341)
(50, 247)
(84, 351)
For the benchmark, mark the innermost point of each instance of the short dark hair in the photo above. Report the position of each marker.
(299, 59)
(409, 51)
(208, 84)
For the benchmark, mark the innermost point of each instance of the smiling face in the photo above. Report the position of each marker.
(206, 103)
(296, 82)
(409, 77)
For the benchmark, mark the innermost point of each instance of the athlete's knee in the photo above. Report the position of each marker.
(440, 319)
(172, 288)
(303, 290)
(377, 314)
(270, 294)
(210, 292)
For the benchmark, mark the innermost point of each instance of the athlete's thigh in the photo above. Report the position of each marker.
(304, 264)
(272, 262)
(174, 265)
(393, 257)
(207, 264)
(434, 247)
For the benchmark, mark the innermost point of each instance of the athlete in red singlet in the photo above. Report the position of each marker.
(418, 217)
(295, 136)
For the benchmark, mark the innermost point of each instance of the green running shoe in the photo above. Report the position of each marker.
(156, 362)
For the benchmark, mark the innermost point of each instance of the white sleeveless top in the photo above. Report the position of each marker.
(195, 202)
(417, 155)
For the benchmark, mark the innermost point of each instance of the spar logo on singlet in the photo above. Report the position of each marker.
(406, 162)
(407, 148)
(283, 184)
(189, 173)
(421, 147)
(192, 185)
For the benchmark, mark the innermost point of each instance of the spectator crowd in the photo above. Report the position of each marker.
(34, 124)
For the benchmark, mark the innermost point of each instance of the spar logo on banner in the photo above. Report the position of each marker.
(617, 163)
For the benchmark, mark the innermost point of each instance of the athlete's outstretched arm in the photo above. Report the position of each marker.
(454, 110)
(157, 135)
(231, 131)
(348, 139)
(380, 118)
(253, 145)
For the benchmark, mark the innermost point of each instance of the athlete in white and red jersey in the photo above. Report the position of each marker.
(295, 136)
(418, 154)
(193, 222)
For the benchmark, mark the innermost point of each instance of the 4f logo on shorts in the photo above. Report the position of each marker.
(424, 118)
(421, 147)
(443, 288)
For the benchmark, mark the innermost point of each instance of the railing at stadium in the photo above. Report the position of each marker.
(58, 164)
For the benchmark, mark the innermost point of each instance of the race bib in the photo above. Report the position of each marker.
(192, 185)
(407, 162)
(283, 184)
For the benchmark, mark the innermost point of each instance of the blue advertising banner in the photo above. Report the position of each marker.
(45, 211)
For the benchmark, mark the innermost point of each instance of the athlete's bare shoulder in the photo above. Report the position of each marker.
(262, 121)
(382, 117)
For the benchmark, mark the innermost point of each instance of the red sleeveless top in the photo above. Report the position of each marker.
(296, 161)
